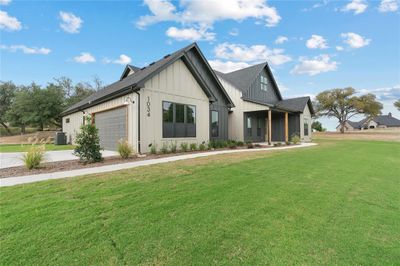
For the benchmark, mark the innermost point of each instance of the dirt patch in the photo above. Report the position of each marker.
(51, 167)
(360, 135)
(24, 139)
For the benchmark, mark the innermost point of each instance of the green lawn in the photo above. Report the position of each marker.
(25, 147)
(338, 203)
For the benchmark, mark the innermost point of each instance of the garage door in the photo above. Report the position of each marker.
(112, 127)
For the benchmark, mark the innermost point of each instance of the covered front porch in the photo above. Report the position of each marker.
(271, 125)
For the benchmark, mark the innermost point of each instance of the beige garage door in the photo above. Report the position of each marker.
(112, 127)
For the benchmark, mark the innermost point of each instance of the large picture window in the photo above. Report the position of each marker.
(264, 82)
(179, 120)
(214, 124)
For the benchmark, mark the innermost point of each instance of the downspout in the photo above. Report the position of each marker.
(138, 118)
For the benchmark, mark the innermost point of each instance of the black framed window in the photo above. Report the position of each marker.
(248, 125)
(214, 124)
(305, 128)
(264, 82)
(67, 120)
(259, 125)
(179, 120)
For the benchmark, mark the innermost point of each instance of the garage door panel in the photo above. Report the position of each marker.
(112, 127)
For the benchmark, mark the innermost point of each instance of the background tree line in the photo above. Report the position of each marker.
(40, 106)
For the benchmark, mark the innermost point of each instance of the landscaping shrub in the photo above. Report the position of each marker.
(88, 143)
(164, 148)
(202, 147)
(193, 146)
(184, 147)
(125, 150)
(232, 145)
(153, 148)
(278, 144)
(34, 157)
(295, 139)
(249, 144)
(240, 143)
(173, 147)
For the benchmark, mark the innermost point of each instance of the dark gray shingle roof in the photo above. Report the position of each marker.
(295, 104)
(385, 120)
(135, 80)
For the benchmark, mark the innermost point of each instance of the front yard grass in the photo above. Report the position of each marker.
(25, 147)
(338, 203)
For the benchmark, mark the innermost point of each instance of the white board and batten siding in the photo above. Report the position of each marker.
(236, 118)
(76, 119)
(174, 84)
(306, 116)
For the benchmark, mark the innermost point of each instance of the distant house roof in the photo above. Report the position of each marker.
(383, 120)
(135, 81)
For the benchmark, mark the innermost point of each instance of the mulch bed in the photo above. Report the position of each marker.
(59, 166)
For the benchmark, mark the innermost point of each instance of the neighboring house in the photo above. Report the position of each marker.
(380, 122)
(180, 99)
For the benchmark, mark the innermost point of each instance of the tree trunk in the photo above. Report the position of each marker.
(342, 127)
(6, 127)
(23, 129)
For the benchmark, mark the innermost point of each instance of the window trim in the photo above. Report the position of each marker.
(174, 123)
(264, 83)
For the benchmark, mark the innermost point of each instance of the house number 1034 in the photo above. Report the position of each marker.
(148, 106)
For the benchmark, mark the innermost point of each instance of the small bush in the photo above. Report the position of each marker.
(193, 146)
(125, 150)
(173, 147)
(202, 146)
(164, 148)
(232, 145)
(34, 157)
(278, 144)
(153, 149)
(295, 139)
(88, 143)
(240, 143)
(249, 144)
(184, 147)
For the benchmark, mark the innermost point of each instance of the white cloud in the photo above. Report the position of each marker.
(234, 32)
(25, 49)
(205, 13)
(315, 65)
(84, 58)
(357, 6)
(384, 94)
(388, 6)
(4, 2)
(190, 34)
(316, 42)
(339, 48)
(123, 60)
(227, 66)
(354, 40)
(70, 23)
(254, 53)
(281, 39)
(9, 23)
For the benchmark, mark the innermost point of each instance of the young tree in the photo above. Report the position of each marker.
(316, 125)
(397, 104)
(88, 143)
(343, 104)
(7, 95)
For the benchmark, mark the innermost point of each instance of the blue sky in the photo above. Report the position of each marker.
(310, 45)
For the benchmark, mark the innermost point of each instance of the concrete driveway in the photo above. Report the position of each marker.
(11, 159)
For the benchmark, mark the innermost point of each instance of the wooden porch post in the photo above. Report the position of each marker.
(286, 127)
(269, 127)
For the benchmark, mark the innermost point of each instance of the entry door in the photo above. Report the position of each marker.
(112, 127)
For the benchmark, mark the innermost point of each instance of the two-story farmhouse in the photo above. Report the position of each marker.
(181, 99)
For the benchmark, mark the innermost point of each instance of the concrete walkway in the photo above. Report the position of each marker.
(12, 181)
(12, 159)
